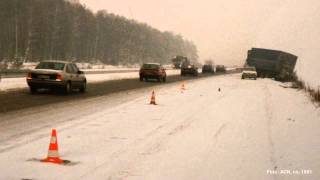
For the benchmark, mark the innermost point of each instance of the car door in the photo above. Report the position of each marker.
(71, 75)
(163, 71)
(78, 78)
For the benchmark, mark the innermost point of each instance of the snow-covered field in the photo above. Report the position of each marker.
(15, 83)
(248, 130)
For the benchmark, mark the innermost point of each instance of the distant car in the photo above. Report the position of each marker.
(187, 68)
(221, 68)
(249, 72)
(207, 68)
(152, 71)
(57, 75)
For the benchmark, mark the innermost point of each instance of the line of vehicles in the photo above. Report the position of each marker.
(65, 76)
(188, 67)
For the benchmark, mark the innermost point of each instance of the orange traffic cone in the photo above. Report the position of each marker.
(53, 154)
(153, 98)
(182, 88)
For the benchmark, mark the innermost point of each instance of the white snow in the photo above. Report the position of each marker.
(243, 132)
(16, 83)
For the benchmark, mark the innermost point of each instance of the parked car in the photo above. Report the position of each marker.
(249, 72)
(57, 75)
(188, 68)
(152, 71)
(207, 68)
(221, 68)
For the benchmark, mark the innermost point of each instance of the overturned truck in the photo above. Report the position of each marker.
(272, 63)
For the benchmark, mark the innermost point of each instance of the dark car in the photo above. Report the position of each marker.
(152, 71)
(221, 68)
(57, 75)
(187, 68)
(207, 68)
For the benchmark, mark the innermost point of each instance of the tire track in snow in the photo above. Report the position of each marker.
(153, 142)
(269, 129)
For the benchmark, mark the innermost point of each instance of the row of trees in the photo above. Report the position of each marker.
(34, 30)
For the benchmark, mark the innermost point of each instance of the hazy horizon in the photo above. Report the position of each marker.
(224, 30)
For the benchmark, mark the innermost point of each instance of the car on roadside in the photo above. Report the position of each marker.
(152, 71)
(56, 75)
(188, 68)
(249, 72)
(221, 68)
(207, 68)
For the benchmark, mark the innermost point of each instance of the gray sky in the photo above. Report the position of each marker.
(225, 29)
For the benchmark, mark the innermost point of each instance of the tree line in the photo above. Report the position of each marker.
(35, 30)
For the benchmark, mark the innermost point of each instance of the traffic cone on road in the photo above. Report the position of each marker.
(153, 98)
(183, 87)
(53, 154)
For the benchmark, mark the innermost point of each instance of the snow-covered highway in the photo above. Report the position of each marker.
(248, 130)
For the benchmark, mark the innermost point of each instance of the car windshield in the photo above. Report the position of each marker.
(51, 65)
(249, 69)
(150, 66)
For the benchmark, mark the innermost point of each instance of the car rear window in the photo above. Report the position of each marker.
(51, 65)
(150, 66)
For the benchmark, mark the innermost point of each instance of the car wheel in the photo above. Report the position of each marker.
(33, 90)
(67, 88)
(83, 87)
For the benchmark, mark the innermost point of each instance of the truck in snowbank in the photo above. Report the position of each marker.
(272, 63)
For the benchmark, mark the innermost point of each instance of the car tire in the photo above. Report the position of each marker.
(33, 90)
(67, 88)
(83, 87)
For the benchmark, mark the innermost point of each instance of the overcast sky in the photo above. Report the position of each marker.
(225, 29)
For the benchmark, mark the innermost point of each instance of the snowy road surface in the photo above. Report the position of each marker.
(249, 130)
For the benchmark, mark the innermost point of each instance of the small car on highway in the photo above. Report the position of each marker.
(56, 75)
(249, 72)
(188, 68)
(221, 68)
(152, 71)
(207, 68)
